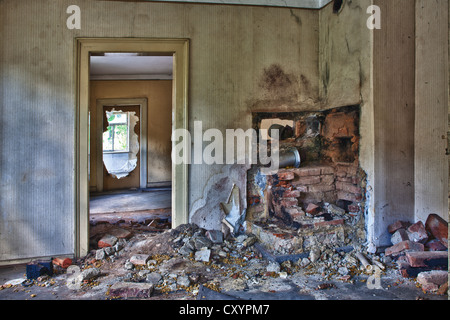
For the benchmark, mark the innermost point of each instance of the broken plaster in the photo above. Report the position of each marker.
(206, 211)
(235, 218)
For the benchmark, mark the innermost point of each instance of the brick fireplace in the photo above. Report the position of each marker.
(322, 195)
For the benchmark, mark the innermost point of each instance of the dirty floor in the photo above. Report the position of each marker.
(234, 272)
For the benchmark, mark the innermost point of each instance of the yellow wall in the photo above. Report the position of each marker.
(159, 122)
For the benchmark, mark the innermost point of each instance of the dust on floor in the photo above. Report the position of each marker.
(188, 263)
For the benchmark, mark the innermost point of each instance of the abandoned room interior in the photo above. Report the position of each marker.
(118, 182)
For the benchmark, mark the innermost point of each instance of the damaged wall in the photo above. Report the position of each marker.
(242, 60)
(395, 73)
(346, 69)
(394, 115)
(230, 49)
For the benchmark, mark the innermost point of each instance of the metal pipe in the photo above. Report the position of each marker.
(289, 158)
(364, 261)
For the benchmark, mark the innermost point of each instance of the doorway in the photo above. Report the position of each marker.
(118, 143)
(178, 49)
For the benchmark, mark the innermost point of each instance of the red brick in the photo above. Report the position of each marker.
(427, 258)
(342, 170)
(300, 187)
(349, 196)
(326, 170)
(285, 175)
(289, 202)
(329, 223)
(321, 188)
(435, 245)
(417, 232)
(348, 187)
(437, 227)
(107, 241)
(62, 262)
(307, 171)
(121, 233)
(409, 272)
(356, 180)
(307, 180)
(398, 225)
(354, 208)
(327, 179)
(352, 170)
(291, 194)
(312, 208)
(341, 174)
(404, 246)
(295, 212)
(343, 179)
(443, 289)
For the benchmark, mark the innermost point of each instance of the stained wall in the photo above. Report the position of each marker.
(231, 48)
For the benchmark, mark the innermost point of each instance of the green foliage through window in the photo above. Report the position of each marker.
(115, 138)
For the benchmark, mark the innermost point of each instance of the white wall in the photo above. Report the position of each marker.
(432, 103)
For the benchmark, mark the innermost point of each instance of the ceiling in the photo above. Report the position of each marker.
(115, 66)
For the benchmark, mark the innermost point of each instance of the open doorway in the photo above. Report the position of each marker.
(120, 175)
(130, 151)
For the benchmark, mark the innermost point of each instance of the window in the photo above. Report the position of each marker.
(116, 137)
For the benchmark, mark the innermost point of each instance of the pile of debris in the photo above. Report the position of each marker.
(181, 262)
(188, 257)
(421, 251)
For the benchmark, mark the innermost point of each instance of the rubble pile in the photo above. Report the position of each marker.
(177, 263)
(194, 256)
(421, 251)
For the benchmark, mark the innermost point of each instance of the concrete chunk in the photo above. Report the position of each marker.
(88, 274)
(216, 236)
(139, 259)
(399, 236)
(131, 290)
(203, 255)
(417, 233)
(432, 280)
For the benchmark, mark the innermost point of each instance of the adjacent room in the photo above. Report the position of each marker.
(130, 121)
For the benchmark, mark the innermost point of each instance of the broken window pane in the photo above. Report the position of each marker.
(120, 143)
(115, 138)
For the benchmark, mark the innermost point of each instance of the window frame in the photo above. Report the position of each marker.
(127, 123)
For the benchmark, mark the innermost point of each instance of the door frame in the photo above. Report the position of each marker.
(98, 129)
(179, 48)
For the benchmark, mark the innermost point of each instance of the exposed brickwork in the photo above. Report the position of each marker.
(328, 143)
